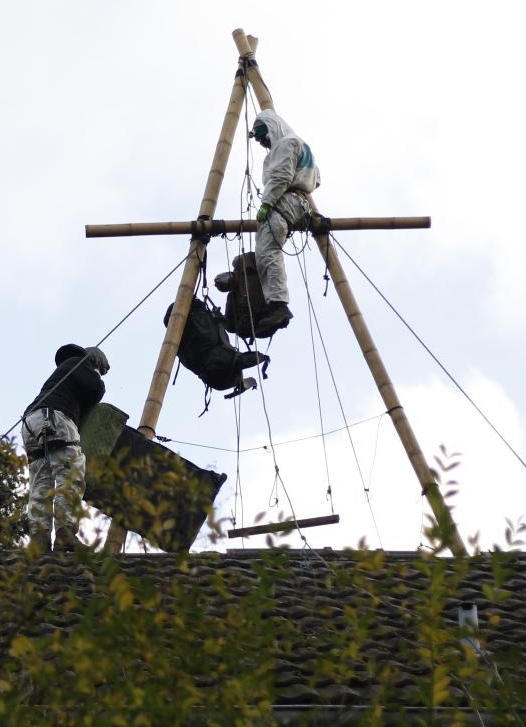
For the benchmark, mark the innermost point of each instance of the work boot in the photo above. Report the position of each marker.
(40, 542)
(278, 316)
(66, 541)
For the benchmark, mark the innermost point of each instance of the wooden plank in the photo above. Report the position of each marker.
(284, 526)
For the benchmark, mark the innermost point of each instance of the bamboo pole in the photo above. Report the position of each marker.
(284, 527)
(427, 481)
(170, 346)
(246, 53)
(216, 227)
(388, 393)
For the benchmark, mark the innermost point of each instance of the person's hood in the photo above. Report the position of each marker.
(69, 350)
(277, 128)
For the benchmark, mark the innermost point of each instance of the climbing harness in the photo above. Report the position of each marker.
(48, 430)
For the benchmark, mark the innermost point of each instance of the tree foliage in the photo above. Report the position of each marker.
(13, 496)
(89, 639)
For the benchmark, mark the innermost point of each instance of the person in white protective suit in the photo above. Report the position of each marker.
(289, 174)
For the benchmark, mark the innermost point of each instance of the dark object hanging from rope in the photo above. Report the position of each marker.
(205, 349)
(245, 304)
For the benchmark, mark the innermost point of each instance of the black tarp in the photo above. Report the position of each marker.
(149, 489)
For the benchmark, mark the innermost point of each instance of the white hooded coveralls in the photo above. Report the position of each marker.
(289, 173)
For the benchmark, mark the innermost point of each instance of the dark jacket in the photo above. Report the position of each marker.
(81, 390)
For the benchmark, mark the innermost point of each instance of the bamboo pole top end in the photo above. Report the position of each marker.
(253, 42)
(242, 43)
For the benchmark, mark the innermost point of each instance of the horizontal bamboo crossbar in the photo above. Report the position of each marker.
(200, 228)
(284, 526)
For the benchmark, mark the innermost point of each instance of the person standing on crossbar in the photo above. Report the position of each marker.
(52, 442)
(289, 175)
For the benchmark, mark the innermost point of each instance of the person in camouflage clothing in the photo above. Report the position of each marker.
(52, 442)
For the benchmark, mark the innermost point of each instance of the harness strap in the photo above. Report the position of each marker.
(208, 397)
(176, 372)
(51, 446)
(24, 419)
(265, 367)
(49, 418)
(306, 210)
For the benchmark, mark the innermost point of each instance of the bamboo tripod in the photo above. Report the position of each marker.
(248, 72)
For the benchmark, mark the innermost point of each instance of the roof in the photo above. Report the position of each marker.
(338, 630)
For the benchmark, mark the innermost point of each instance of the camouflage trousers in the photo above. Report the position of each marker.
(56, 478)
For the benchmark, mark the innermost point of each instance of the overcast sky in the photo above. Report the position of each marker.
(111, 113)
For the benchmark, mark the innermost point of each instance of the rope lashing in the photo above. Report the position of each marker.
(322, 224)
(147, 426)
(200, 232)
(394, 408)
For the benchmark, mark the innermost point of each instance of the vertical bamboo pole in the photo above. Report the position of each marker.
(448, 529)
(246, 50)
(170, 346)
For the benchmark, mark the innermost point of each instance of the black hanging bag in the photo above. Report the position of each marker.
(205, 349)
(245, 295)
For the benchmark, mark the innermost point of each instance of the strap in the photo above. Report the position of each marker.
(326, 274)
(49, 417)
(291, 223)
(24, 420)
(208, 397)
(51, 446)
(265, 367)
(209, 303)
(176, 372)
(204, 281)
(212, 307)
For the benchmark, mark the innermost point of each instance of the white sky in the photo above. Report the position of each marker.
(111, 113)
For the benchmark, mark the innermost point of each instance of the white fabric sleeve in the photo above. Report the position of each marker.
(281, 169)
